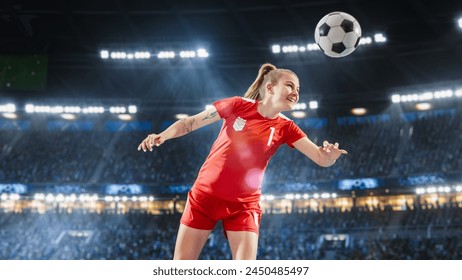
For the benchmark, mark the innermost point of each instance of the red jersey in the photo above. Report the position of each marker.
(237, 161)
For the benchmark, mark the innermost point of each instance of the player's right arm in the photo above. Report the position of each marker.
(180, 128)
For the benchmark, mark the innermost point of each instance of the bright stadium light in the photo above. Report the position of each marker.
(459, 22)
(181, 116)
(202, 53)
(365, 41)
(104, 54)
(276, 48)
(8, 108)
(424, 106)
(124, 117)
(166, 55)
(132, 109)
(379, 38)
(68, 116)
(187, 54)
(359, 111)
(313, 105)
(10, 115)
(300, 106)
(298, 114)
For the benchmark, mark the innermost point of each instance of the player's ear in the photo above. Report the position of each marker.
(269, 87)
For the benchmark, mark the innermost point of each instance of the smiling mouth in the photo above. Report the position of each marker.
(293, 100)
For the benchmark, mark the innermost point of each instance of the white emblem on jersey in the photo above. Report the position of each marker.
(239, 124)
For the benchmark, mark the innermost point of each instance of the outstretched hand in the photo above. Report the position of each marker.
(151, 141)
(331, 151)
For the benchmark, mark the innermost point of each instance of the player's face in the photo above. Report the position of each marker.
(287, 90)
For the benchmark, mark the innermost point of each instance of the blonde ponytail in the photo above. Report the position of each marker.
(254, 90)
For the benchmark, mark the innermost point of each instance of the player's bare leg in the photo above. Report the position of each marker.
(189, 243)
(244, 244)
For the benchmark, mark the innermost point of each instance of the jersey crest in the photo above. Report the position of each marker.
(239, 124)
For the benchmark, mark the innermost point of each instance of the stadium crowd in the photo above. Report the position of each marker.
(381, 148)
(377, 234)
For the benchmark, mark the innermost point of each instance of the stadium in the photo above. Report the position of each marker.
(84, 82)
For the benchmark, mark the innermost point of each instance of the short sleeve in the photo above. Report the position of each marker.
(226, 106)
(294, 134)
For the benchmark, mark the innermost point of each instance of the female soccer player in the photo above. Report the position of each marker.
(228, 184)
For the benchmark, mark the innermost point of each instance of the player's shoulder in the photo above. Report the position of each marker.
(284, 117)
(245, 99)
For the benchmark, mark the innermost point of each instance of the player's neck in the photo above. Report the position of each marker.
(267, 111)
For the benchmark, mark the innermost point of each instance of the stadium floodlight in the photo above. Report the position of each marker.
(424, 106)
(289, 196)
(68, 116)
(443, 94)
(365, 41)
(117, 110)
(298, 114)
(431, 190)
(39, 196)
(50, 198)
(306, 196)
(202, 53)
(426, 96)
(124, 117)
(132, 109)
(325, 195)
(187, 54)
(10, 115)
(7, 108)
(181, 116)
(359, 111)
(313, 105)
(59, 198)
(458, 92)
(166, 55)
(93, 110)
(276, 48)
(308, 47)
(312, 47)
(300, 106)
(459, 22)
(104, 54)
(379, 38)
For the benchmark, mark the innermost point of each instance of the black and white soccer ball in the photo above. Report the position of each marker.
(337, 34)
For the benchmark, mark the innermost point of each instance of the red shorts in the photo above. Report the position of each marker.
(203, 212)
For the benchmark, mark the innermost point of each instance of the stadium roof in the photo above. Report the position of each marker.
(424, 46)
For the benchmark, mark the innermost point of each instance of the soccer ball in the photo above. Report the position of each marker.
(337, 34)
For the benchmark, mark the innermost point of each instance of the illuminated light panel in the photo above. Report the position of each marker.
(298, 114)
(181, 116)
(423, 106)
(358, 111)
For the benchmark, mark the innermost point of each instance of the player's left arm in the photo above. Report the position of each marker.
(324, 155)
